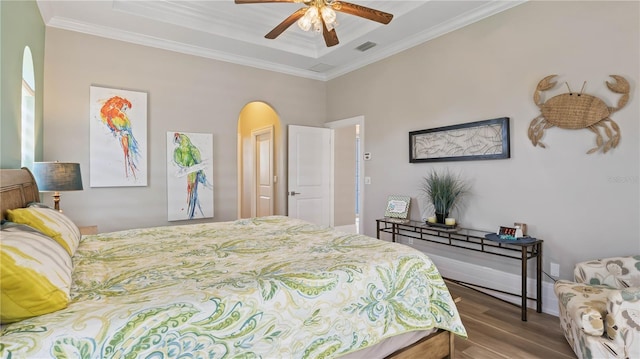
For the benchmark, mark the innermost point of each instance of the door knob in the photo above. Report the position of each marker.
(293, 193)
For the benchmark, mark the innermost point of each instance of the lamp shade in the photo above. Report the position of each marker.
(57, 176)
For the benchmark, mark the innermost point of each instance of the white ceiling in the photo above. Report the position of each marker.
(223, 30)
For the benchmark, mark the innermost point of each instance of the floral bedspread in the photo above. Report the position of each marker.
(270, 287)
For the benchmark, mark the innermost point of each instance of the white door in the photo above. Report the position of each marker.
(262, 203)
(309, 174)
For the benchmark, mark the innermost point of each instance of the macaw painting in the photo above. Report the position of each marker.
(189, 175)
(118, 137)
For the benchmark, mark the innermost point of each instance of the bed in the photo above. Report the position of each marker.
(270, 287)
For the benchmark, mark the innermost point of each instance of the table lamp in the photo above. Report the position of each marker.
(56, 177)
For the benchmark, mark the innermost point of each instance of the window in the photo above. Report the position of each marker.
(28, 110)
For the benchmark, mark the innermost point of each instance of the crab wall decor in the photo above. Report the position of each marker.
(576, 111)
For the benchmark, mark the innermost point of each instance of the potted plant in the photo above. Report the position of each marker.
(444, 191)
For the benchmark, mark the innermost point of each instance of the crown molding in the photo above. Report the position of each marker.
(477, 14)
(156, 42)
(429, 34)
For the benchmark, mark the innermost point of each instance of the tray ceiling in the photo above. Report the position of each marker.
(223, 30)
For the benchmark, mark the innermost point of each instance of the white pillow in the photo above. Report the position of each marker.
(35, 274)
(50, 222)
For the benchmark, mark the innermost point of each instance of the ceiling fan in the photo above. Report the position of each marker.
(320, 16)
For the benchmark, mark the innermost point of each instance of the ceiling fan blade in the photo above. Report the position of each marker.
(362, 11)
(285, 24)
(263, 1)
(330, 37)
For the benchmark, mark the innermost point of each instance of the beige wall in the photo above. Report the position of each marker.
(185, 93)
(583, 206)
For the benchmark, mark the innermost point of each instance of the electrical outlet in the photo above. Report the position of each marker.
(555, 269)
(410, 241)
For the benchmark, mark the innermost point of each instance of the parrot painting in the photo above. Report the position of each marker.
(187, 157)
(114, 116)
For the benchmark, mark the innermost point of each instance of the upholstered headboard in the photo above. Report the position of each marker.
(17, 188)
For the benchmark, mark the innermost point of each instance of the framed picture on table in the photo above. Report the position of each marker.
(398, 207)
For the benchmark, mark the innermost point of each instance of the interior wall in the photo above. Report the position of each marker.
(20, 25)
(582, 206)
(344, 170)
(185, 93)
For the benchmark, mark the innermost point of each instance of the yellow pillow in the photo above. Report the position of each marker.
(35, 274)
(50, 222)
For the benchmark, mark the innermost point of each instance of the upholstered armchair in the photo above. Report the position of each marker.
(600, 311)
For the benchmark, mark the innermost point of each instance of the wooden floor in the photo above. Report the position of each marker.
(496, 331)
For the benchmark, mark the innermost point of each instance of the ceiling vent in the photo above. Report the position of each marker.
(366, 46)
(321, 67)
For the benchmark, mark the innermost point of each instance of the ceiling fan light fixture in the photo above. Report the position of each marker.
(321, 16)
(312, 13)
(317, 26)
(311, 19)
(305, 22)
(329, 17)
(308, 19)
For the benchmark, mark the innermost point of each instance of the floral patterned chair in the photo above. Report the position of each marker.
(600, 311)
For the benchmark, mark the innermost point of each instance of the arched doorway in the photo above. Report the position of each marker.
(259, 161)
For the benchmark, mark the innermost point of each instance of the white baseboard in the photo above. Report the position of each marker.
(491, 278)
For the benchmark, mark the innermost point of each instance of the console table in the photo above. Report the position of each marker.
(473, 240)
